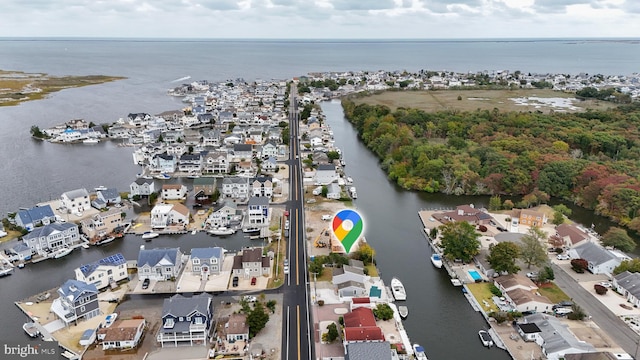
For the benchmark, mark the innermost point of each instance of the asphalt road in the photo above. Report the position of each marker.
(603, 317)
(296, 322)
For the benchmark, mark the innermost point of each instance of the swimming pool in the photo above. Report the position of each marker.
(474, 275)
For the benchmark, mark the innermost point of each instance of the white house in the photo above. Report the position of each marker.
(109, 196)
(333, 191)
(76, 200)
(258, 211)
(142, 187)
(270, 164)
(262, 186)
(325, 174)
(235, 187)
(600, 260)
(523, 301)
(222, 214)
(163, 215)
(49, 238)
(237, 328)
(216, 162)
(103, 272)
(122, 334)
(269, 149)
(628, 284)
(348, 273)
(163, 163)
(185, 321)
(555, 339)
(159, 264)
(173, 192)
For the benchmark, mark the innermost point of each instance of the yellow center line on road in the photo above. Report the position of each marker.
(298, 318)
(297, 249)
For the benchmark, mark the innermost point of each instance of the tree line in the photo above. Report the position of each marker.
(590, 158)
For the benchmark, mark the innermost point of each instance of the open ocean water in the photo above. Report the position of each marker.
(34, 171)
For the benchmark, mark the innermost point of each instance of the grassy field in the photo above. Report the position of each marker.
(481, 291)
(17, 86)
(553, 293)
(432, 101)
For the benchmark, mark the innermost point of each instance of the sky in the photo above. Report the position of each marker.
(321, 19)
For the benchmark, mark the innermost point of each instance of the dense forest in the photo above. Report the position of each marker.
(591, 158)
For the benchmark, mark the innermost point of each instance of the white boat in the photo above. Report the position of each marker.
(398, 290)
(250, 230)
(163, 176)
(62, 252)
(85, 246)
(349, 180)
(109, 320)
(221, 231)
(403, 311)
(100, 188)
(194, 232)
(90, 141)
(148, 235)
(6, 271)
(105, 240)
(147, 177)
(31, 329)
(193, 176)
(485, 338)
(419, 352)
(436, 260)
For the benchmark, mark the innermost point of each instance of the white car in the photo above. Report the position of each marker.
(249, 298)
(326, 217)
(605, 284)
(563, 257)
(286, 269)
(286, 225)
(532, 275)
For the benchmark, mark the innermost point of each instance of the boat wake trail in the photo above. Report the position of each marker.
(181, 79)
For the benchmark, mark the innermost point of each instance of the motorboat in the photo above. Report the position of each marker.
(105, 240)
(194, 232)
(148, 235)
(31, 329)
(90, 141)
(85, 245)
(100, 188)
(163, 176)
(222, 231)
(61, 252)
(110, 319)
(485, 338)
(250, 230)
(403, 311)
(147, 177)
(398, 290)
(419, 352)
(6, 271)
(43, 297)
(436, 260)
(193, 176)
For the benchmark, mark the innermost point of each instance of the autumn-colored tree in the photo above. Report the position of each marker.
(619, 239)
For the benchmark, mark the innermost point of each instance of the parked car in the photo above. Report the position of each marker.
(286, 269)
(605, 284)
(563, 257)
(532, 275)
(234, 281)
(500, 228)
(286, 225)
(254, 280)
(249, 298)
(563, 304)
(145, 283)
(326, 217)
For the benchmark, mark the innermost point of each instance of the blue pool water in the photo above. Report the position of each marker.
(475, 275)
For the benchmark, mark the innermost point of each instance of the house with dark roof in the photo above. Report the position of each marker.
(258, 211)
(190, 163)
(159, 264)
(142, 187)
(76, 300)
(76, 200)
(122, 335)
(235, 187)
(528, 331)
(628, 284)
(49, 238)
(204, 186)
(251, 263)
(599, 259)
(163, 163)
(555, 338)
(242, 151)
(466, 213)
(206, 261)
(185, 320)
(103, 272)
(35, 216)
(109, 196)
(379, 350)
(262, 186)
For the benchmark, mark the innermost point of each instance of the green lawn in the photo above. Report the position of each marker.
(553, 293)
(373, 271)
(481, 291)
(327, 274)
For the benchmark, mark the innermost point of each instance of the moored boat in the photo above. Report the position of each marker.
(100, 188)
(403, 311)
(397, 289)
(221, 231)
(148, 235)
(90, 141)
(31, 329)
(61, 252)
(163, 176)
(105, 240)
(6, 271)
(485, 338)
(419, 352)
(250, 230)
(436, 260)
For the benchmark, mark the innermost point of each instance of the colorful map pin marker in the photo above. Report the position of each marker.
(347, 227)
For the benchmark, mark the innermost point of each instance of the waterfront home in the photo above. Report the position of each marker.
(528, 331)
(529, 217)
(159, 264)
(103, 272)
(185, 321)
(102, 223)
(173, 192)
(232, 140)
(467, 213)
(122, 335)
(190, 163)
(527, 301)
(258, 211)
(325, 174)
(270, 149)
(222, 214)
(163, 163)
(351, 288)
(76, 200)
(570, 235)
(235, 187)
(175, 149)
(242, 152)
(206, 261)
(360, 326)
(236, 328)
(76, 300)
(49, 238)
(20, 252)
(555, 338)
(138, 119)
(334, 191)
(142, 187)
(204, 187)
(599, 259)
(211, 138)
(628, 285)
(348, 273)
(514, 281)
(70, 135)
(216, 162)
(35, 216)
(379, 350)
(165, 215)
(262, 186)
(109, 196)
(251, 263)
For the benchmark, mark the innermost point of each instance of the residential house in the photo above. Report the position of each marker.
(102, 223)
(76, 300)
(270, 164)
(109, 196)
(138, 119)
(262, 186)
(185, 321)
(159, 264)
(528, 301)
(215, 162)
(348, 273)
(600, 355)
(628, 285)
(163, 163)
(325, 174)
(571, 235)
(103, 272)
(600, 260)
(222, 214)
(251, 263)
(379, 350)
(334, 191)
(142, 187)
(530, 217)
(49, 238)
(204, 186)
(237, 328)
(190, 163)
(35, 216)
(164, 215)
(122, 335)
(555, 339)
(466, 213)
(360, 326)
(235, 187)
(206, 261)
(514, 281)
(76, 200)
(20, 252)
(242, 152)
(258, 211)
(245, 168)
(270, 149)
(528, 331)
(173, 192)
(351, 289)
(211, 138)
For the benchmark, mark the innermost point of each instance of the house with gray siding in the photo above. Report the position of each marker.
(206, 261)
(76, 300)
(185, 320)
(142, 187)
(159, 264)
(49, 238)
